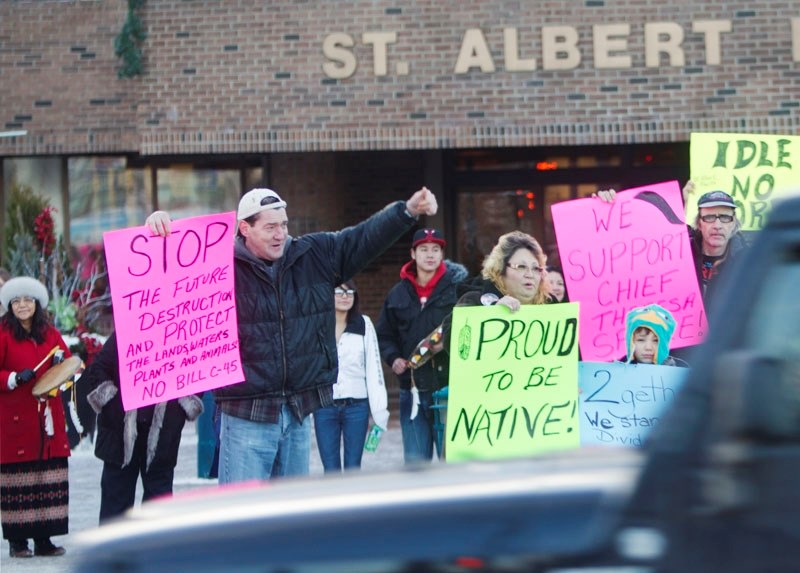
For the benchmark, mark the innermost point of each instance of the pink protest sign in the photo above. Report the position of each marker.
(174, 309)
(629, 253)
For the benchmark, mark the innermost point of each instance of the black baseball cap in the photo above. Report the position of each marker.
(428, 236)
(716, 199)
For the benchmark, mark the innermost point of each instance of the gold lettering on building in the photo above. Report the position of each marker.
(561, 47)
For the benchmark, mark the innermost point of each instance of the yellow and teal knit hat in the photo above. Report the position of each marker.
(656, 318)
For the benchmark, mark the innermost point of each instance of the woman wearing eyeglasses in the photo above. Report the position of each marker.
(34, 480)
(359, 388)
(513, 274)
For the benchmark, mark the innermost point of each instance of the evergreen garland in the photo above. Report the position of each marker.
(127, 44)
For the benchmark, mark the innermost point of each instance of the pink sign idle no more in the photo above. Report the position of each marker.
(622, 255)
(174, 309)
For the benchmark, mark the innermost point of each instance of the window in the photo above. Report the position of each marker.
(40, 174)
(104, 195)
(187, 192)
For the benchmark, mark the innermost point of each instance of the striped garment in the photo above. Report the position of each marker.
(34, 499)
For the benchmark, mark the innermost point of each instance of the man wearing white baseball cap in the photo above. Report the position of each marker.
(286, 317)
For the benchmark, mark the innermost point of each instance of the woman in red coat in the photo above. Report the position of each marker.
(34, 481)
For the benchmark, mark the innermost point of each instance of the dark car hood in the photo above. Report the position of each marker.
(553, 505)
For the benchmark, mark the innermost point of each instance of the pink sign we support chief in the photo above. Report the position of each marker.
(174, 309)
(629, 253)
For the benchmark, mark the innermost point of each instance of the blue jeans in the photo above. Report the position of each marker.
(259, 450)
(346, 422)
(418, 436)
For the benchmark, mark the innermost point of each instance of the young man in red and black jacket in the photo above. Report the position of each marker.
(413, 309)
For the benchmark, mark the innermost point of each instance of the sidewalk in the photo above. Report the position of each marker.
(84, 480)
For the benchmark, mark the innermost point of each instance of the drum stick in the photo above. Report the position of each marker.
(46, 358)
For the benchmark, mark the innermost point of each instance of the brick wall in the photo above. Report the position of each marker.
(329, 191)
(58, 79)
(247, 76)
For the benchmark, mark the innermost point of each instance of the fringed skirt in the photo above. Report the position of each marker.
(34, 499)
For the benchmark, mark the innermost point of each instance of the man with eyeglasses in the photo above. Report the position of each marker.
(715, 237)
(286, 323)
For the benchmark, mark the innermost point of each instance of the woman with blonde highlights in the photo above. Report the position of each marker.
(513, 274)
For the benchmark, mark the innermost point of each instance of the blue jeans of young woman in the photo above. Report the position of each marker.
(346, 422)
(259, 450)
(418, 436)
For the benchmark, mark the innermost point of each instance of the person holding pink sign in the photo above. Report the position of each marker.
(715, 237)
(286, 322)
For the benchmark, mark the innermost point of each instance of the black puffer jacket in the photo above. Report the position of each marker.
(287, 323)
(403, 323)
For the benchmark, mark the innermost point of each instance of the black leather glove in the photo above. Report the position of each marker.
(25, 376)
(58, 357)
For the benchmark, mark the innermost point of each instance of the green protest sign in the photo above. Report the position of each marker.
(513, 387)
(753, 169)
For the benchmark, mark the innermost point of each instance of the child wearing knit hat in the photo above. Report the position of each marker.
(648, 331)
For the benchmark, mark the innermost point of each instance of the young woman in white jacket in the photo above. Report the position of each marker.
(359, 390)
